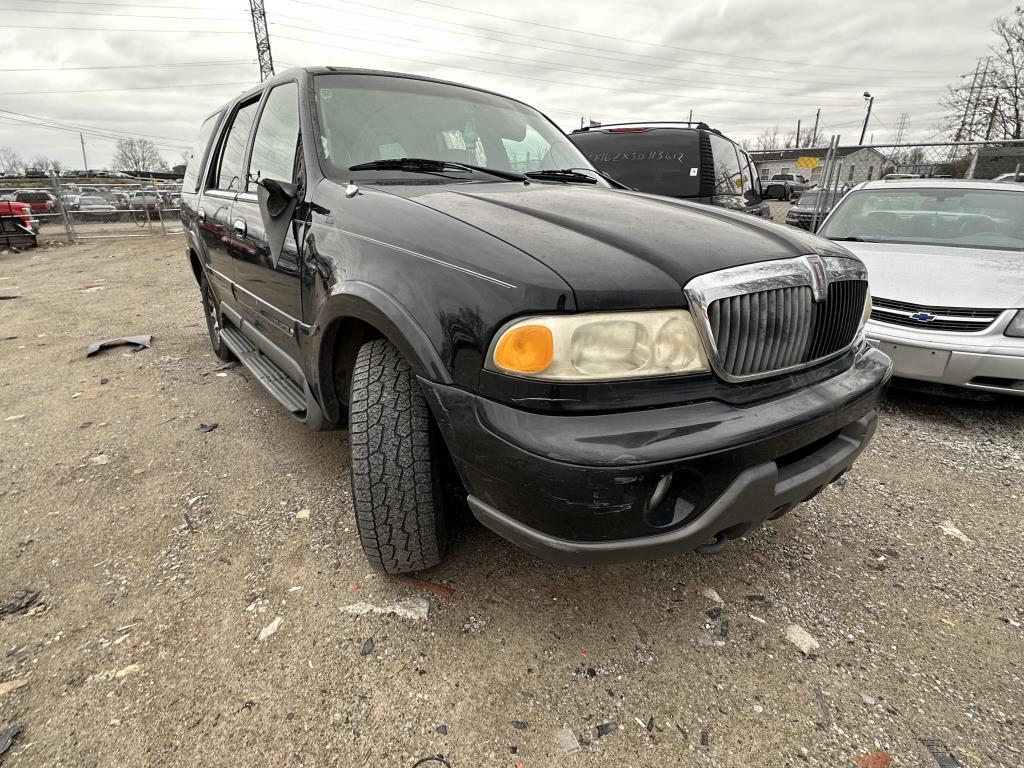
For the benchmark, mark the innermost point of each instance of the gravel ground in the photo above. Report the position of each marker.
(161, 553)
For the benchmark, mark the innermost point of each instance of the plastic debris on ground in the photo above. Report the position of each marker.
(138, 342)
(12, 685)
(802, 639)
(568, 740)
(19, 602)
(271, 628)
(428, 586)
(368, 646)
(951, 530)
(414, 608)
(605, 728)
(207, 427)
(8, 736)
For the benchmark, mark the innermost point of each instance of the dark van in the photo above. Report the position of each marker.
(682, 160)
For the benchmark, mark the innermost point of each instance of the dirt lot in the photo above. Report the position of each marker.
(161, 552)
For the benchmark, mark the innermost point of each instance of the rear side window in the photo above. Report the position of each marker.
(229, 169)
(277, 137)
(196, 154)
(730, 178)
(661, 161)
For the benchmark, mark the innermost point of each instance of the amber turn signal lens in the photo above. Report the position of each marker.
(525, 349)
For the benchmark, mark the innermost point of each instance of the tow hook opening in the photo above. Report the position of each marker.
(713, 548)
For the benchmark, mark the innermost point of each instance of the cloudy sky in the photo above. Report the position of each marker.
(154, 68)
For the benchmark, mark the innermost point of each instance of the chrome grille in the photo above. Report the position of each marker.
(953, 319)
(762, 319)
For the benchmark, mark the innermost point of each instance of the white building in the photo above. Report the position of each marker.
(857, 164)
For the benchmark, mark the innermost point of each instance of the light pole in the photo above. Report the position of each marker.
(867, 116)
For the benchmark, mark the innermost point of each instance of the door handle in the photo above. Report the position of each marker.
(240, 227)
(201, 215)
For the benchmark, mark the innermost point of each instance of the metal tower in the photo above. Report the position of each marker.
(259, 30)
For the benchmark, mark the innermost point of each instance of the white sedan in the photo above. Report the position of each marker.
(945, 262)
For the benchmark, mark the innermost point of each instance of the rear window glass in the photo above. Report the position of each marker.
(195, 155)
(660, 161)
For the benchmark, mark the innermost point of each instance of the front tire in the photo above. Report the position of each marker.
(395, 463)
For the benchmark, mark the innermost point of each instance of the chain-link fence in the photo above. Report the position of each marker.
(74, 210)
(830, 172)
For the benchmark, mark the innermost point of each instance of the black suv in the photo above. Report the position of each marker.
(602, 375)
(688, 161)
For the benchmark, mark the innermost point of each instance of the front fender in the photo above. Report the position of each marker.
(366, 302)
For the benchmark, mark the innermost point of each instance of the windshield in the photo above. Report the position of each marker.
(93, 201)
(782, 177)
(661, 161)
(809, 199)
(365, 118)
(970, 218)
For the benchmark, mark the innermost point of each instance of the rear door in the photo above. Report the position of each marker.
(661, 161)
(223, 182)
(269, 281)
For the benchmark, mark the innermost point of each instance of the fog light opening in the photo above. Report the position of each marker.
(659, 492)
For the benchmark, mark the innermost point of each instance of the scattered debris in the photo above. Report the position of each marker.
(368, 646)
(713, 596)
(12, 685)
(138, 342)
(432, 759)
(442, 729)
(8, 298)
(641, 635)
(303, 514)
(227, 366)
(271, 628)
(568, 740)
(714, 613)
(951, 530)
(705, 737)
(354, 587)
(867, 699)
(15, 418)
(520, 725)
(415, 608)
(8, 736)
(605, 728)
(650, 724)
(760, 600)
(875, 759)
(104, 381)
(19, 602)
(131, 669)
(802, 639)
(682, 732)
(207, 427)
(826, 716)
(101, 459)
(940, 752)
(428, 586)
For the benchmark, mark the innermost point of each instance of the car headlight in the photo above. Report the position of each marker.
(595, 346)
(1016, 326)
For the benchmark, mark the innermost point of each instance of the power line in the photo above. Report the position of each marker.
(121, 29)
(130, 5)
(602, 52)
(21, 12)
(540, 63)
(134, 88)
(94, 134)
(86, 127)
(132, 66)
(658, 45)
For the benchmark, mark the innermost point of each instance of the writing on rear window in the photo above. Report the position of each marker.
(618, 157)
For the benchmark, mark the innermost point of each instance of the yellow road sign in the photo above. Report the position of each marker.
(810, 163)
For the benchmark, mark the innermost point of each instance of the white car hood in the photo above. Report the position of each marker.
(944, 276)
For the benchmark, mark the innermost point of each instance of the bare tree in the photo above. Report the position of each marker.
(10, 161)
(42, 162)
(769, 138)
(137, 156)
(57, 166)
(747, 144)
(991, 104)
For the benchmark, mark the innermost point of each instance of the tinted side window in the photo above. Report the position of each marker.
(277, 136)
(229, 170)
(729, 177)
(196, 154)
(752, 181)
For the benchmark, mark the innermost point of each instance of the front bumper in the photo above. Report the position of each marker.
(989, 362)
(578, 489)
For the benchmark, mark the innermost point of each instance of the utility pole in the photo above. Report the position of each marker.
(992, 119)
(84, 161)
(691, 116)
(867, 116)
(259, 31)
(798, 134)
(814, 134)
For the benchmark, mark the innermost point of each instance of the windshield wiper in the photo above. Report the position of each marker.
(426, 165)
(852, 239)
(561, 174)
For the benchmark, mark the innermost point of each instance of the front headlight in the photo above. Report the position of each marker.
(600, 345)
(1016, 326)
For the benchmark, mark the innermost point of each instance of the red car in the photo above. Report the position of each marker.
(39, 200)
(17, 225)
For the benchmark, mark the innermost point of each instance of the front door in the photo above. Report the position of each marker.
(268, 281)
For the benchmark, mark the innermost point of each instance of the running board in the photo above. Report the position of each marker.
(278, 383)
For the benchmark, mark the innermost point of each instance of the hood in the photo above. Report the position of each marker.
(944, 276)
(617, 249)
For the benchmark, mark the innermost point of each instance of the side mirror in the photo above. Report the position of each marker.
(277, 204)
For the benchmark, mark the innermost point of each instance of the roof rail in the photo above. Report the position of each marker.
(697, 123)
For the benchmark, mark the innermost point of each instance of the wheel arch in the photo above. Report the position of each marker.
(351, 317)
